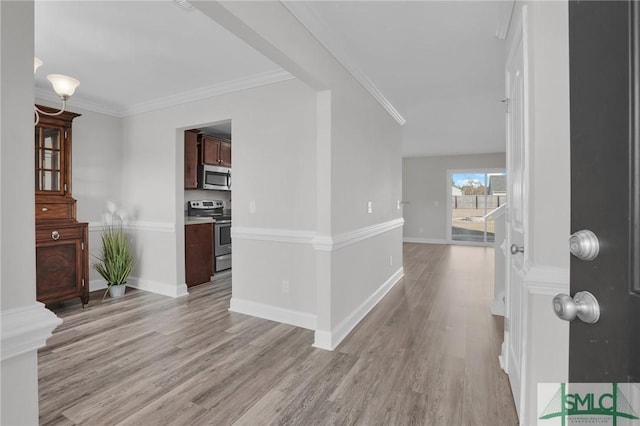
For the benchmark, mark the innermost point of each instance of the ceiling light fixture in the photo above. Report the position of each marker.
(63, 85)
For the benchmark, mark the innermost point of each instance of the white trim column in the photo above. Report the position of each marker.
(25, 323)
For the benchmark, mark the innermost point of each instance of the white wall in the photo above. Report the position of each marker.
(365, 167)
(273, 166)
(358, 161)
(546, 343)
(424, 189)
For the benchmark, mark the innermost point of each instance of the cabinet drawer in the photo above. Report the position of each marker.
(55, 234)
(46, 211)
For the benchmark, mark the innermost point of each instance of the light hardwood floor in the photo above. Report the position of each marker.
(426, 355)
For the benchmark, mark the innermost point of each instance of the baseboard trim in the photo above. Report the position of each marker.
(97, 284)
(497, 308)
(322, 340)
(273, 313)
(330, 340)
(424, 240)
(26, 329)
(156, 287)
(145, 285)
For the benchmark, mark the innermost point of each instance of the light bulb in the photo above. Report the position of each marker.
(37, 63)
(63, 85)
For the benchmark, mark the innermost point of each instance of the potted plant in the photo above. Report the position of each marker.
(115, 261)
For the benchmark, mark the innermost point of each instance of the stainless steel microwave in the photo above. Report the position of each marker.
(214, 177)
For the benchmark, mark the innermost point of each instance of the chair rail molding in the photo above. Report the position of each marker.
(319, 242)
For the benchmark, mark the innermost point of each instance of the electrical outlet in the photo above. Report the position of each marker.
(390, 260)
(370, 207)
(285, 286)
(252, 207)
(398, 205)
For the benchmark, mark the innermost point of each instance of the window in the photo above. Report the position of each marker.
(474, 195)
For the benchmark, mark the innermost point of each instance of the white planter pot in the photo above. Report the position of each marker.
(116, 291)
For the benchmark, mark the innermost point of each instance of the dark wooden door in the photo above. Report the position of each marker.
(604, 186)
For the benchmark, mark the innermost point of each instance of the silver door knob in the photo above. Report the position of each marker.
(583, 305)
(584, 245)
(515, 249)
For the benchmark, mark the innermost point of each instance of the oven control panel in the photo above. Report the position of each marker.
(206, 204)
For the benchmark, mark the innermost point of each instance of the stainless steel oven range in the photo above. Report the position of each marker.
(222, 245)
(221, 229)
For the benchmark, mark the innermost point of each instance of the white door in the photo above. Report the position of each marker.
(512, 351)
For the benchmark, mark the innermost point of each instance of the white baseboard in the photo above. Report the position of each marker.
(322, 340)
(497, 308)
(424, 240)
(97, 284)
(26, 329)
(273, 313)
(145, 285)
(156, 287)
(330, 340)
(502, 358)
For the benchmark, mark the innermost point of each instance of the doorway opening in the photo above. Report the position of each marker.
(473, 195)
(207, 198)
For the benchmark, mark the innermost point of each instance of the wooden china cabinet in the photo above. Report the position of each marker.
(62, 254)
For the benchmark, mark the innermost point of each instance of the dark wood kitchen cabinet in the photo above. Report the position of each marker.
(62, 258)
(198, 253)
(203, 149)
(216, 151)
(191, 159)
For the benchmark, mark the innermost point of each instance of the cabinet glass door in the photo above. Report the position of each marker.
(48, 161)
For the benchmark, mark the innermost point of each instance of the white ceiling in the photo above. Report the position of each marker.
(437, 62)
(132, 55)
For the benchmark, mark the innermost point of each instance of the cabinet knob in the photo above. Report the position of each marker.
(55, 235)
(44, 209)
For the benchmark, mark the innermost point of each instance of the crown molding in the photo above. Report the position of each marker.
(218, 89)
(121, 111)
(78, 102)
(319, 29)
(505, 20)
